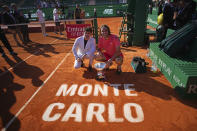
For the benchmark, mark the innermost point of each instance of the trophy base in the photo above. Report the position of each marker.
(100, 76)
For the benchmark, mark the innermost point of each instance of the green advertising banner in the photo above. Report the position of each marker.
(101, 10)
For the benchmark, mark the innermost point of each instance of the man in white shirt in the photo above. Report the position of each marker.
(84, 48)
(56, 20)
(41, 20)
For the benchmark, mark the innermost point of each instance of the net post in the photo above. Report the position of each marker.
(96, 30)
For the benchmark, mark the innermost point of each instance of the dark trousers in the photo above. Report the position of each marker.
(5, 42)
(78, 22)
(25, 33)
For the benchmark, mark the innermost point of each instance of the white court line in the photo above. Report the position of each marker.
(23, 60)
(36, 92)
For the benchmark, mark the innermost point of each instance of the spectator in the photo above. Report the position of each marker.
(20, 18)
(29, 15)
(84, 48)
(168, 14)
(160, 7)
(70, 14)
(77, 14)
(109, 49)
(5, 42)
(150, 7)
(45, 4)
(185, 12)
(56, 20)
(63, 15)
(82, 16)
(57, 3)
(95, 15)
(9, 19)
(41, 4)
(41, 20)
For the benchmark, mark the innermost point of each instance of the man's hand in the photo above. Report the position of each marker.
(103, 50)
(79, 59)
(82, 58)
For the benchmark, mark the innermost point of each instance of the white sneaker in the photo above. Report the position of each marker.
(45, 34)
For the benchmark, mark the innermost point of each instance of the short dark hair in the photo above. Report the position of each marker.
(105, 26)
(88, 29)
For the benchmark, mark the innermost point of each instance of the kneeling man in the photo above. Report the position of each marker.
(109, 49)
(84, 48)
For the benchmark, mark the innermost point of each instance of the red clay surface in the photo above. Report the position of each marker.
(29, 85)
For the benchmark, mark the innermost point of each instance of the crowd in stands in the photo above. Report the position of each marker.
(176, 13)
(48, 3)
(52, 3)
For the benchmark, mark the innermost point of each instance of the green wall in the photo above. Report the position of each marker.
(102, 11)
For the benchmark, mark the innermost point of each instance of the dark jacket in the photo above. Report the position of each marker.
(168, 13)
(185, 14)
(8, 19)
(20, 18)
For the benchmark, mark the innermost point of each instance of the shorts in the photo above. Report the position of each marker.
(107, 56)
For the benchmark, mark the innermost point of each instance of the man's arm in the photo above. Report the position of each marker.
(74, 49)
(92, 48)
(116, 54)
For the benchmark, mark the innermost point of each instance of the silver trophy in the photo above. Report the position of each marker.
(100, 67)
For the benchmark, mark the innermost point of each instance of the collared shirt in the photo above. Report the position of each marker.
(40, 15)
(109, 45)
(55, 15)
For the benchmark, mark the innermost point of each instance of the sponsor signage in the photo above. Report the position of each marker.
(75, 30)
(63, 112)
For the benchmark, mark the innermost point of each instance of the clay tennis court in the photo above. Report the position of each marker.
(41, 91)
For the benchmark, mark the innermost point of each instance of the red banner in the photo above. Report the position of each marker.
(75, 30)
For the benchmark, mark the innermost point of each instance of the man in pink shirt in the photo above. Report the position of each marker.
(109, 49)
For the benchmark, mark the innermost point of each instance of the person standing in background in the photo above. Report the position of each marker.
(41, 20)
(77, 14)
(9, 19)
(160, 7)
(168, 14)
(63, 15)
(29, 15)
(95, 15)
(20, 18)
(185, 13)
(56, 20)
(150, 7)
(82, 16)
(5, 41)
